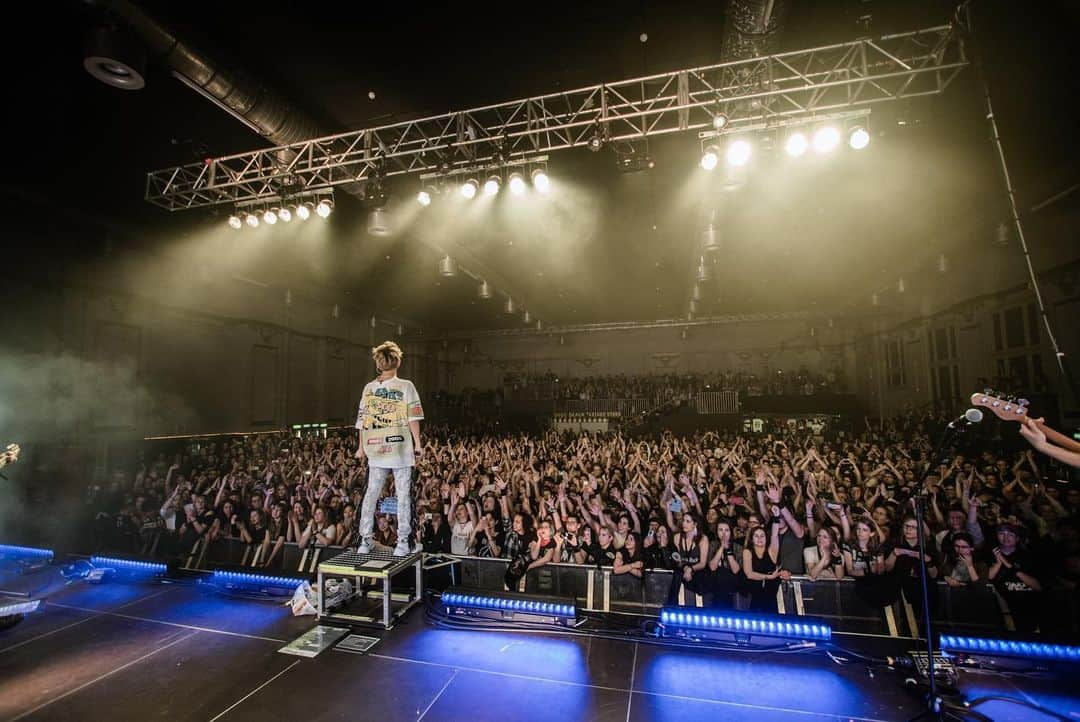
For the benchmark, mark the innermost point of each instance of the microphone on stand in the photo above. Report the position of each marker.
(971, 416)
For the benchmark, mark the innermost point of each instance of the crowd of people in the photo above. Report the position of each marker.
(667, 387)
(728, 513)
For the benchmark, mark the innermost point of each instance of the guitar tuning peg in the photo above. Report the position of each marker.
(989, 391)
(1023, 402)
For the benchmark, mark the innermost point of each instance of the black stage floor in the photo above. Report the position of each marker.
(143, 652)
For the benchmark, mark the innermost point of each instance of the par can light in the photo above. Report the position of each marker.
(710, 158)
(540, 180)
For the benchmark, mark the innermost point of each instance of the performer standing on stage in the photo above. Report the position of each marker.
(389, 424)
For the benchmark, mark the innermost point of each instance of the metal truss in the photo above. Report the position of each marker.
(767, 89)
(634, 325)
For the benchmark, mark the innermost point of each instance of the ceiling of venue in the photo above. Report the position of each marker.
(819, 233)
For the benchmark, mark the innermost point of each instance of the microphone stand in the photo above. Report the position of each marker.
(936, 706)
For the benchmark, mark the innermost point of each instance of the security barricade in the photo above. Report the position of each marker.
(973, 607)
(717, 402)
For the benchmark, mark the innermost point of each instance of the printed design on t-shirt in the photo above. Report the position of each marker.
(384, 409)
(385, 413)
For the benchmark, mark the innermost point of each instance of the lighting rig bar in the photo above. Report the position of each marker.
(526, 163)
(10, 608)
(8, 551)
(1023, 649)
(228, 580)
(799, 83)
(781, 124)
(131, 567)
(701, 624)
(506, 606)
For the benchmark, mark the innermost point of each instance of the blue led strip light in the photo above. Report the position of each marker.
(525, 606)
(13, 551)
(740, 624)
(1010, 648)
(130, 565)
(241, 578)
(7, 610)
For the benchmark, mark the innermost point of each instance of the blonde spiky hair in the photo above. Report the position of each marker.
(387, 355)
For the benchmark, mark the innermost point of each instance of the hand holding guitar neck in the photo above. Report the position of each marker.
(1045, 439)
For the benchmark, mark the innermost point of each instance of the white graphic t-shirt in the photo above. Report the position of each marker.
(386, 408)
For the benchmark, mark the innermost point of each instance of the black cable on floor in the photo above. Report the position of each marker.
(1016, 700)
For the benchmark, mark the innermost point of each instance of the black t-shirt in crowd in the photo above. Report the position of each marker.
(568, 549)
(791, 552)
(1007, 579)
(625, 558)
(657, 557)
(207, 518)
(908, 566)
(436, 541)
(483, 544)
(602, 556)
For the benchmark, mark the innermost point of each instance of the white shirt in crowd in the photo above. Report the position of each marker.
(459, 537)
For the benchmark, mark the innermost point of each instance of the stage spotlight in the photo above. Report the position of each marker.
(596, 142)
(540, 180)
(517, 184)
(719, 121)
(526, 317)
(270, 217)
(710, 158)
(251, 219)
(235, 222)
(284, 214)
(738, 152)
(492, 185)
(423, 198)
(509, 307)
(448, 267)
(826, 139)
(484, 291)
(469, 188)
(796, 144)
(324, 208)
(303, 211)
(378, 222)
(859, 137)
